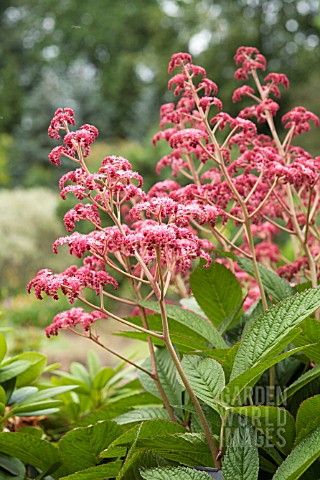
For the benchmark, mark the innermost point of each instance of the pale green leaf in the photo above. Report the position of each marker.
(270, 332)
(308, 417)
(216, 290)
(301, 457)
(3, 347)
(206, 377)
(241, 460)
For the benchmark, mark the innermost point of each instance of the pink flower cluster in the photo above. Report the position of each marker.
(243, 188)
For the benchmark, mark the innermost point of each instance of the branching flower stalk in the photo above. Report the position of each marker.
(243, 189)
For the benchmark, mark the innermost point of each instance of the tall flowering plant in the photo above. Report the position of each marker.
(221, 330)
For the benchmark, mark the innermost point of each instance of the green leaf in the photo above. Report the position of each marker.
(30, 408)
(15, 368)
(37, 363)
(132, 465)
(145, 430)
(189, 319)
(301, 457)
(167, 377)
(3, 347)
(186, 448)
(102, 378)
(299, 383)
(29, 449)
(100, 472)
(173, 473)
(94, 363)
(80, 448)
(216, 290)
(142, 414)
(48, 393)
(308, 417)
(276, 424)
(277, 287)
(21, 394)
(241, 460)
(310, 333)
(269, 334)
(80, 372)
(206, 377)
(13, 466)
(242, 384)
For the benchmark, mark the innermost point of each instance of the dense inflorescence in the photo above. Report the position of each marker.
(243, 188)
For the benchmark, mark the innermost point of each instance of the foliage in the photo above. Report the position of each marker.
(217, 367)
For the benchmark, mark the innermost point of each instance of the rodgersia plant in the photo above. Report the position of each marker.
(241, 189)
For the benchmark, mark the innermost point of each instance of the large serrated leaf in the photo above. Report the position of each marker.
(186, 448)
(80, 448)
(132, 465)
(276, 424)
(206, 377)
(241, 460)
(167, 376)
(142, 414)
(301, 457)
(185, 338)
(216, 290)
(310, 333)
(270, 332)
(191, 320)
(278, 288)
(245, 381)
(308, 417)
(173, 473)
(100, 472)
(30, 450)
(299, 383)
(145, 430)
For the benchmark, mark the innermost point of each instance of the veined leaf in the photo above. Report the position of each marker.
(206, 377)
(278, 288)
(270, 333)
(276, 424)
(167, 377)
(301, 457)
(308, 417)
(241, 385)
(30, 450)
(216, 290)
(299, 383)
(142, 414)
(186, 448)
(241, 460)
(132, 465)
(189, 319)
(173, 473)
(145, 430)
(80, 448)
(309, 334)
(100, 472)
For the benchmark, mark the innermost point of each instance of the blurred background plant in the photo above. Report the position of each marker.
(107, 60)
